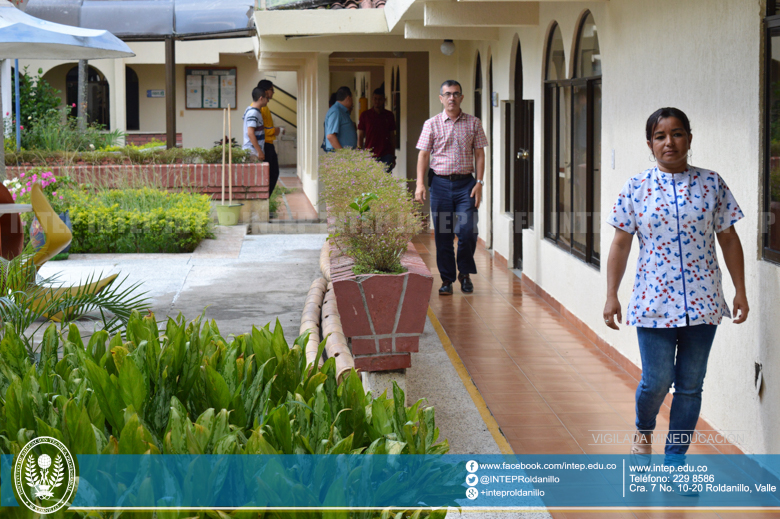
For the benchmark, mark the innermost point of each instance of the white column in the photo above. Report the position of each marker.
(5, 77)
(119, 95)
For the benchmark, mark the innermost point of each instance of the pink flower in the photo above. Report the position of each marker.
(14, 197)
(74, 105)
(62, 197)
(21, 176)
(55, 193)
(27, 184)
(21, 127)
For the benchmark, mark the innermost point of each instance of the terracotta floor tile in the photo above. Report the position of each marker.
(533, 420)
(535, 431)
(527, 360)
(572, 378)
(599, 419)
(581, 407)
(548, 446)
(552, 385)
(516, 397)
(522, 408)
(625, 394)
(572, 397)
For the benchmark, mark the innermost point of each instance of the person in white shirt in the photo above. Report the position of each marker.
(254, 130)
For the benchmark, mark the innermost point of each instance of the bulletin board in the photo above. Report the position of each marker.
(210, 88)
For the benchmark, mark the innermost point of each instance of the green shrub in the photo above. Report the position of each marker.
(138, 220)
(184, 389)
(123, 155)
(374, 214)
(36, 99)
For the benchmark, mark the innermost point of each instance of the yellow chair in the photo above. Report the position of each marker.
(58, 236)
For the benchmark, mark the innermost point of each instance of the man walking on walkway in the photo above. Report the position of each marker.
(339, 128)
(270, 136)
(449, 143)
(376, 131)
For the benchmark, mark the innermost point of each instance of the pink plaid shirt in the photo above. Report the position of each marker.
(452, 143)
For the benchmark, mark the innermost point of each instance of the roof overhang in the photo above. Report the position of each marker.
(320, 22)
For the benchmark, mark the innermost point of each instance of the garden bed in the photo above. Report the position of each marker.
(138, 221)
(250, 181)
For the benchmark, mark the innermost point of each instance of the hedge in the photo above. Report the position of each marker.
(138, 221)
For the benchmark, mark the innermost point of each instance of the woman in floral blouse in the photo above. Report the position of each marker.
(677, 301)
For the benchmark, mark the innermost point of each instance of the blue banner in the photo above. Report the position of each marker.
(407, 481)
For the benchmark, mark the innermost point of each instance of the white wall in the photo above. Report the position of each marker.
(708, 64)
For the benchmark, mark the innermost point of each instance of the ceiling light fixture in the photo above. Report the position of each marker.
(448, 48)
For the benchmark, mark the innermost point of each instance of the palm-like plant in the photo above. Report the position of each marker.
(25, 301)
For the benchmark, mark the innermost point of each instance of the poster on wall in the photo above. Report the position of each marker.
(210, 88)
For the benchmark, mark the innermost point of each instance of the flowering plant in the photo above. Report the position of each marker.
(53, 187)
(372, 214)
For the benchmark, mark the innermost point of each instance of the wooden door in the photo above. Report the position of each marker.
(523, 182)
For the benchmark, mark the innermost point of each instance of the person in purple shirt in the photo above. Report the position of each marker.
(676, 210)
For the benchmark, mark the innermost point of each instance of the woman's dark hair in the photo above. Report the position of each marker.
(663, 113)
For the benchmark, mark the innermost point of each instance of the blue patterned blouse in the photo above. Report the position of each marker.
(676, 217)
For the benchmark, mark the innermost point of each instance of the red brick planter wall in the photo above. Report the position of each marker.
(383, 315)
(250, 181)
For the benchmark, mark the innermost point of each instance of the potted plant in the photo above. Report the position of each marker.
(381, 284)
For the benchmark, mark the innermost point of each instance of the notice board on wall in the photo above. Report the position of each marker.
(210, 88)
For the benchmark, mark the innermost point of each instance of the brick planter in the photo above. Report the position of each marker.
(383, 315)
(250, 181)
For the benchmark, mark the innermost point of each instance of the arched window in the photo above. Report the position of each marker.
(97, 95)
(586, 141)
(557, 170)
(132, 99)
(478, 89)
(573, 143)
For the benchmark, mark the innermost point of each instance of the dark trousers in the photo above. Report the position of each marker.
(273, 166)
(454, 214)
(387, 160)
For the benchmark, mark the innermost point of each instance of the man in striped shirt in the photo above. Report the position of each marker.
(449, 145)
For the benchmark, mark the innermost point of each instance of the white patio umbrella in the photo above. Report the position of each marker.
(24, 36)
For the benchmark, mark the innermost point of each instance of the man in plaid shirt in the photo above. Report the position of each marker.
(449, 144)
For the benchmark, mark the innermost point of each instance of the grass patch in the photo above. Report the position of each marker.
(276, 200)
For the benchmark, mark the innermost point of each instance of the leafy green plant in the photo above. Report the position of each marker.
(276, 199)
(56, 131)
(362, 203)
(353, 183)
(27, 304)
(182, 388)
(138, 220)
(36, 98)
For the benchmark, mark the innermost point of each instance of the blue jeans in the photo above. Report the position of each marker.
(454, 214)
(679, 356)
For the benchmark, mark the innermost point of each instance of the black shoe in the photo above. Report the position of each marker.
(465, 284)
(446, 289)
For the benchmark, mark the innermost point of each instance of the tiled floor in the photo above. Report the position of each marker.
(295, 205)
(550, 389)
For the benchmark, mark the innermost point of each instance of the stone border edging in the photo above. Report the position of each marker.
(310, 320)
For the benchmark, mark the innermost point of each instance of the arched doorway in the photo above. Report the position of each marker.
(97, 95)
(519, 162)
(132, 108)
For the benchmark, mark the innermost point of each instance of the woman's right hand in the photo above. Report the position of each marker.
(611, 310)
